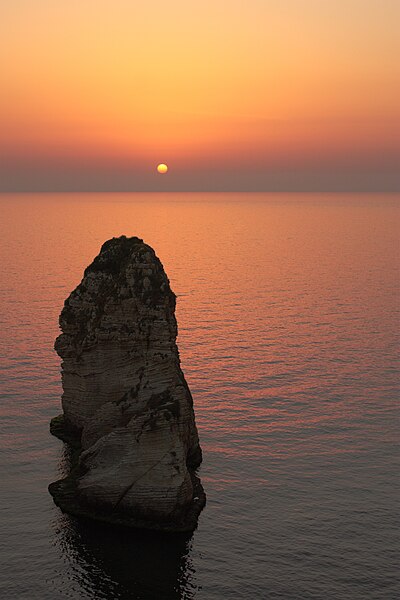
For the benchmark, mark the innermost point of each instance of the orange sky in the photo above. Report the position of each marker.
(263, 94)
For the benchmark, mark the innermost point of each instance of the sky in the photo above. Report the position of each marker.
(274, 95)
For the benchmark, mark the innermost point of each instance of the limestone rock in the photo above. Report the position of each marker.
(126, 403)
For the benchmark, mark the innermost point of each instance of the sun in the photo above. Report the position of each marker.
(162, 168)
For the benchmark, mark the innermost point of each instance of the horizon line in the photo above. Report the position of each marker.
(207, 191)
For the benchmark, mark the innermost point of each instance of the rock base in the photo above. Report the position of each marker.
(66, 496)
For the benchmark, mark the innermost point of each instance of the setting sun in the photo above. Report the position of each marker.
(162, 168)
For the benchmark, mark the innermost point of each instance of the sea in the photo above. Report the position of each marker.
(288, 314)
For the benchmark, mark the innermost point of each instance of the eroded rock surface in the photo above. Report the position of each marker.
(126, 404)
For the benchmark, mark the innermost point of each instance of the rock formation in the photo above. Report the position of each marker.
(126, 405)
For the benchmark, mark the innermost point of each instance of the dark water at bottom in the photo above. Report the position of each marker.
(288, 333)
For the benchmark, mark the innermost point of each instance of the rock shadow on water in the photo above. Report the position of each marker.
(114, 562)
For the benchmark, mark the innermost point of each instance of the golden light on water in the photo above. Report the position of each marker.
(162, 168)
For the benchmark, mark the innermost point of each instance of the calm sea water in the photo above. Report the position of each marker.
(288, 334)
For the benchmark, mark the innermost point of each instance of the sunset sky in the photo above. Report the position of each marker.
(255, 95)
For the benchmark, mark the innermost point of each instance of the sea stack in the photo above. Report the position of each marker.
(126, 405)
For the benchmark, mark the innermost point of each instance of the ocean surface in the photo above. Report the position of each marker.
(288, 313)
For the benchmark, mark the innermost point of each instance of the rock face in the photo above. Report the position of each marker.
(126, 405)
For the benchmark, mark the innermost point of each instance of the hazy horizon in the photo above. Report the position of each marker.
(298, 183)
